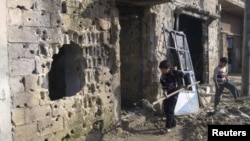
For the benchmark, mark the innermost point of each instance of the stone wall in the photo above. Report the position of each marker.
(64, 67)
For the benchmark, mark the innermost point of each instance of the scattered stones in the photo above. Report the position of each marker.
(137, 123)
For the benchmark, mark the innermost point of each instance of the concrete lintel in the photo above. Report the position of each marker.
(232, 6)
(197, 13)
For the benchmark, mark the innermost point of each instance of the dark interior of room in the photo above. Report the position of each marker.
(192, 27)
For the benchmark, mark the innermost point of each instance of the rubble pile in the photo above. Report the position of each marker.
(196, 125)
(189, 128)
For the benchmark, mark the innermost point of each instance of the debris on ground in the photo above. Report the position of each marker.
(139, 124)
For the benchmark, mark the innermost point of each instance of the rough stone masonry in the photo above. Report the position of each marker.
(64, 67)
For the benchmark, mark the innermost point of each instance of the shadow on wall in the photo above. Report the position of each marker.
(66, 72)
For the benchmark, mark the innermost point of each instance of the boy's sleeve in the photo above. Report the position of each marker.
(187, 79)
(163, 84)
(185, 76)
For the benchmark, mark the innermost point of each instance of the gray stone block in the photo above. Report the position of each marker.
(27, 4)
(30, 83)
(15, 17)
(22, 67)
(27, 132)
(22, 34)
(26, 99)
(36, 18)
(24, 50)
(37, 113)
(48, 5)
(16, 85)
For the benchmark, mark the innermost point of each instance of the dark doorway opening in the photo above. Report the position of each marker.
(131, 55)
(66, 72)
(192, 27)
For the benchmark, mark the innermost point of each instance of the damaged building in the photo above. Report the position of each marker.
(231, 30)
(69, 66)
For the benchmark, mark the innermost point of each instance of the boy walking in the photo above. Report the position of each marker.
(221, 82)
(169, 82)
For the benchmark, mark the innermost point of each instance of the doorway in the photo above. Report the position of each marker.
(192, 27)
(131, 55)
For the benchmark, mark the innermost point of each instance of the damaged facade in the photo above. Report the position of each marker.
(69, 65)
(231, 30)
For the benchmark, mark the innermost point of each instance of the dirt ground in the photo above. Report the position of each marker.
(139, 124)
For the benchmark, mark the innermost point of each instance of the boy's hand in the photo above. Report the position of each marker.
(165, 93)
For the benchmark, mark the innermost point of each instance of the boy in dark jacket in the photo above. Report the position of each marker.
(169, 82)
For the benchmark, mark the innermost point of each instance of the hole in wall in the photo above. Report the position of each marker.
(84, 125)
(42, 94)
(64, 77)
(64, 7)
(32, 52)
(43, 50)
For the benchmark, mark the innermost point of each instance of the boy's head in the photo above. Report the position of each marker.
(223, 61)
(165, 67)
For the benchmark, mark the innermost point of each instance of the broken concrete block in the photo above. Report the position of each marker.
(103, 23)
(105, 38)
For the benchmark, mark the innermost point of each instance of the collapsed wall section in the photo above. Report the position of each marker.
(64, 68)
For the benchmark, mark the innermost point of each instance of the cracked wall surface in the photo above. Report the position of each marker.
(64, 67)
